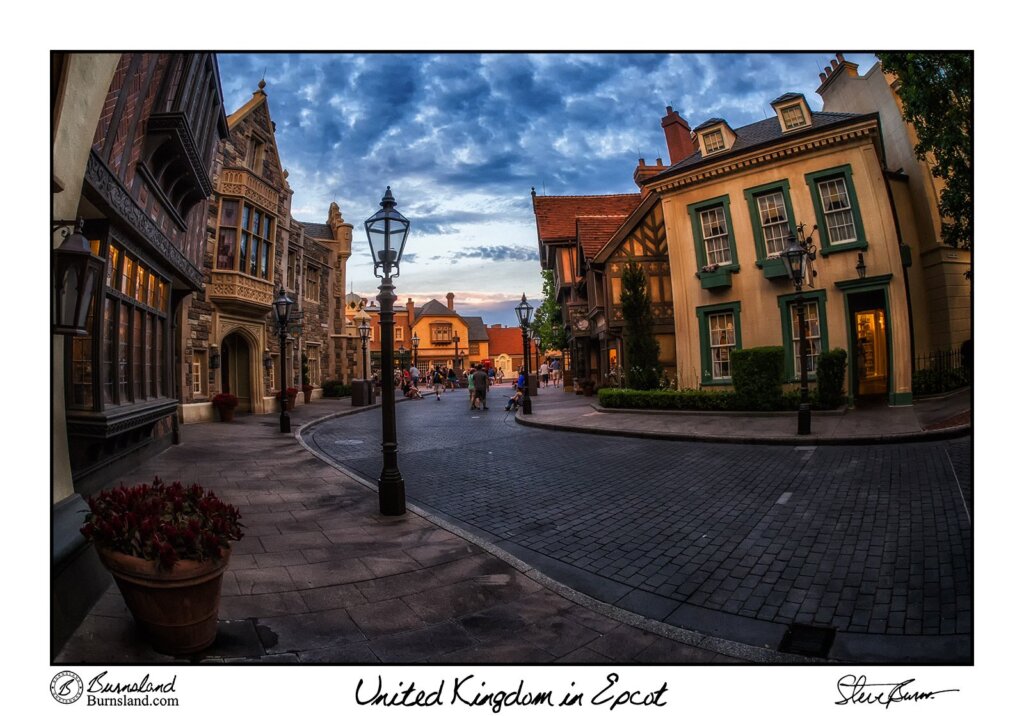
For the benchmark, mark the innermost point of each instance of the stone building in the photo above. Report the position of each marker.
(230, 342)
(133, 145)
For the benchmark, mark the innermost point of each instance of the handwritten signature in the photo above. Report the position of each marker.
(856, 690)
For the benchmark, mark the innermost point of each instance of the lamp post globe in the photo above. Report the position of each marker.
(386, 233)
(364, 336)
(283, 311)
(415, 346)
(794, 258)
(524, 312)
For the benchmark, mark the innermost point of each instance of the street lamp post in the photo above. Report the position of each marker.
(415, 345)
(793, 256)
(387, 231)
(456, 363)
(524, 311)
(401, 357)
(364, 336)
(283, 310)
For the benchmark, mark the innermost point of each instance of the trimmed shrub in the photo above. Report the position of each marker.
(336, 389)
(930, 381)
(757, 375)
(831, 377)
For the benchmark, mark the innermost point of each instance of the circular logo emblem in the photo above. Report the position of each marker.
(66, 687)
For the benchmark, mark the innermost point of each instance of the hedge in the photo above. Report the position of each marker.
(757, 375)
(929, 381)
(831, 375)
(336, 389)
(710, 400)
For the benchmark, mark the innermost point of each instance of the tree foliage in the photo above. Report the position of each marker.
(547, 319)
(937, 90)
(641, 347)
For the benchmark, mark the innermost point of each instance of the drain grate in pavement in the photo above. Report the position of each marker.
(808, 640)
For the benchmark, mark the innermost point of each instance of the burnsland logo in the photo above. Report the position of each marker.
(66, 687)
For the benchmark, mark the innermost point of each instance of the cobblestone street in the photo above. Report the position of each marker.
(731, 540)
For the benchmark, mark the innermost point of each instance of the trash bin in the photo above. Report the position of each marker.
(362, 392)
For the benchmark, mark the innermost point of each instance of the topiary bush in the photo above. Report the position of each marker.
(831, 377)
(757, 375)
(337, 389)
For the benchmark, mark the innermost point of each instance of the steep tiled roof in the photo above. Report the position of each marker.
(594, 232)
(709, 122)
(786, 97)
(763, 132)
(505, 340)
(477, 329)
(316, 231)
(433, 307)
(556, 215)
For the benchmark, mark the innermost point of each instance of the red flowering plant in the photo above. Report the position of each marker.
(292, 392)
(162, 522)
(225, 400)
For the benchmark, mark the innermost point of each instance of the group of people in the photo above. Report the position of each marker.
(479, 379)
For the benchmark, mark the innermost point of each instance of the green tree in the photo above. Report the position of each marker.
(937, 91)
(547, 319)
(641, 347)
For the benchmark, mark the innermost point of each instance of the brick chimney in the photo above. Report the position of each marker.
(839, 67)
(451, 301)
(643, 172)
(677, 135)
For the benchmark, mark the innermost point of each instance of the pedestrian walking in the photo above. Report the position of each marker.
(468, 375)
(545, 373)
(437, 381)
(479, 382)
(453, 381)
(414, 373)
(556, 372)
(501, 376)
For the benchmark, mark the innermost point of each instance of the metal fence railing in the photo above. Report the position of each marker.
(942, 370)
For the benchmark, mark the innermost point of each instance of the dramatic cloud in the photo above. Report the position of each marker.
(462, 138)
(496, 253)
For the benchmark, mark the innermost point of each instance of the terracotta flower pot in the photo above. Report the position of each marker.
(226, 414)
(307, 395)
(177, 607)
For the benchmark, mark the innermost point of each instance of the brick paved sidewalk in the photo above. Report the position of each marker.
(936, 418)
(322, 577)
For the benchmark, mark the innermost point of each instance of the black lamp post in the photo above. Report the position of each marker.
(415, 345)
(387, 231)
(524, 311)
(76, 275)
(283, 310)
(401, 357)
(456, 363)
(793, 256)
(364, 336)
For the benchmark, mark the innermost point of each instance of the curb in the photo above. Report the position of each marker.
(924, 436)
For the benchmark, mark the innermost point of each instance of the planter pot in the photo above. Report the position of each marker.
(226, 414)
(176, 608)
(588, 389)
(291, 401)
(307, 395)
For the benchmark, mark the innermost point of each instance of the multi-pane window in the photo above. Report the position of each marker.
(813, 327)
(713, 141)
(440, 333)
(722, 340)
(835, 203)
(256, 153)
(399, 333)
(293, 270)
(275, 371)
(774, 221)
(715, 236)
(793, 117)
(127, 337)
(313, 363)
(312, 284)
(245, 239)
(199, 386)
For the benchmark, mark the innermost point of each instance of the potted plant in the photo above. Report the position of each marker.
(307, 389)
(291, 393)
(167, 547)
(225, 403)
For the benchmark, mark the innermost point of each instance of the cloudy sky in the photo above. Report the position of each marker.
(461, 139)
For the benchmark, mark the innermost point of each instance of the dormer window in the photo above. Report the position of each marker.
(713, 141)
(256, 154)
(793, 117)
(792, 111)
